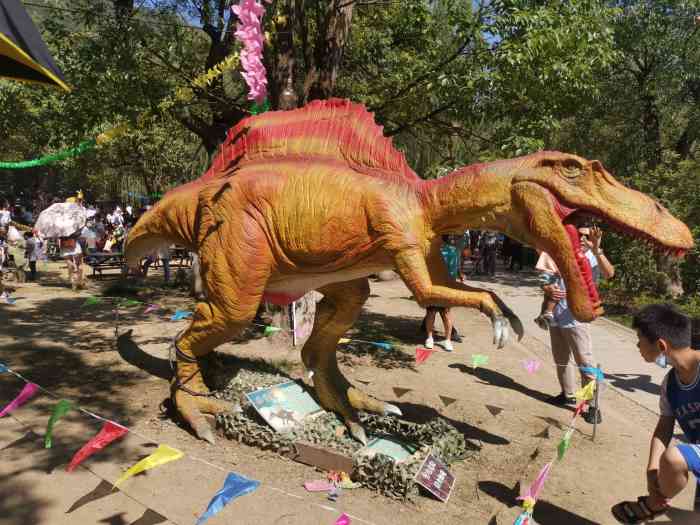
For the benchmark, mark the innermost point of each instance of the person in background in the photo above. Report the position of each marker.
(73, 255)
(31, 253)
(569, 337)
(451, 258)
(5, 214)
(489, 249)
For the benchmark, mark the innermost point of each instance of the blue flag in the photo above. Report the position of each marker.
(180, 314)
(597, 372)
(3, 368)
(382, 345)
(234, 486)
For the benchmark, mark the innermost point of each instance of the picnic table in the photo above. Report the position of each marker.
(100, 261)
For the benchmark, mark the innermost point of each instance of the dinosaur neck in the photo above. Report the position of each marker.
(474, 197)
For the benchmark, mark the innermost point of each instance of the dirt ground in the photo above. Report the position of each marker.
(55, 341)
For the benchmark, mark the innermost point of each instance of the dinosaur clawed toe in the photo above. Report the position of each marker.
(191, 409)
(501, 331)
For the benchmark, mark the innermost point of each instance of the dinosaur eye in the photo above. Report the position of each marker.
(570, 170)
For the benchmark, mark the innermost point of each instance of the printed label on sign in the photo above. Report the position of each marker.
(435, 477)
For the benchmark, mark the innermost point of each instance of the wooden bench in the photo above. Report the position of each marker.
(101, 261)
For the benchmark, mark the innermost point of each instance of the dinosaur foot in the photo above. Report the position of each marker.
(192, 407)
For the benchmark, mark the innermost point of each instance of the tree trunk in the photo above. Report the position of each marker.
(328, 54)
(669, 283)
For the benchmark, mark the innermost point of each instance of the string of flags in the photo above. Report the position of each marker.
(234, 485)
(530, 497)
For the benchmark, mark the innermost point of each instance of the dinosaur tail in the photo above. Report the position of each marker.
(171, 221)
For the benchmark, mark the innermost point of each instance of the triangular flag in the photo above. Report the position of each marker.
(533, 492)
(447, 401)
(596, 372)
(580, 407)
(109, 432)
(564, 444)
(3, 368)
(92, 301)
(382, 345)
(479, 360)
(163, 454)
(399, 392)
(180, 314)
(522, 519)
(343, 340)
(494, 410)
(60, 410)
(587, 392)
(28, 392)
(269, 330)
(422, 354)
(234, 486)
(151, 308)
(532, 365)
(343, 519)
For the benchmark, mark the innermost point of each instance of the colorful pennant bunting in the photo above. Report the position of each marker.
(343, 340)
(109, 432)
(3, 368)
(163, 454)
(269, 330)
(479, 360)
(532, 365)
(564, 444)
(181, 314)
(235, 485)
(151, 308)
(587, 392)
(597, 373)
(92, 301)
(60, 410)
(343, 519)
(28, 391)
(422, 354)
(533, 491)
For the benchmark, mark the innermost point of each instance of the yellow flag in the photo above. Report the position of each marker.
(162, 455)
(343, 340)
(586, 393)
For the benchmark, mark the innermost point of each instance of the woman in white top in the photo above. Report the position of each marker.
(72, 253)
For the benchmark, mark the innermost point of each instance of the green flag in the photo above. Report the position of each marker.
(269, 330)
(564, 444)
(92, 300)
(60, 410)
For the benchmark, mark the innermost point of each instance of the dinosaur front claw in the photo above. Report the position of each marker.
(192, 407)
(357, 431)
(392, 409)
(501, 330)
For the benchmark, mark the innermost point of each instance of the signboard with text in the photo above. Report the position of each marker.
(434, 476)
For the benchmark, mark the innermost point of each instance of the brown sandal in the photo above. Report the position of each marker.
(632, 512)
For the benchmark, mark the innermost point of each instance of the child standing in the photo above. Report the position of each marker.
(450, 255)
(663, 331)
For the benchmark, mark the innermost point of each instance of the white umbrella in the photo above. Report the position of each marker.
(62, 219)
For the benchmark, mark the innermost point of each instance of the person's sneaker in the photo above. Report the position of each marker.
(592, 416)
(447, 345)
(429, 343)
(562, 400)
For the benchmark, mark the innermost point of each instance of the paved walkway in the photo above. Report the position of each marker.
(614, 345)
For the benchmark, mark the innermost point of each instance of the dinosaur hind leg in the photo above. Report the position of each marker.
(235, 289)
(335, 314)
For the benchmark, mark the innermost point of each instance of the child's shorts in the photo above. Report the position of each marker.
(547, 278)
(691, 454)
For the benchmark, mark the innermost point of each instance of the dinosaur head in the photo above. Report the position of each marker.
(553, 193)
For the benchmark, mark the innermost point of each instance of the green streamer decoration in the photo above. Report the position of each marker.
(60, 410)
(256, 109)
(49, 159)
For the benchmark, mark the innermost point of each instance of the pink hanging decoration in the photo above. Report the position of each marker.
(28, 392)
(532, 365)
(249, 33)
(344, 519)
(533, 492)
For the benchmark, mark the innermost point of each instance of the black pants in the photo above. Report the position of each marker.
(32, 270)
(490, 262)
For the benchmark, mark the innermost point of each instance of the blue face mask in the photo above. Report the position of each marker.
(661, 361)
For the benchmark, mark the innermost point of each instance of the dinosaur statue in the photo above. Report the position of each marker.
(317, 199)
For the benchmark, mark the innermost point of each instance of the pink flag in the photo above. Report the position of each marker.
(533, 492)
(28, 392)
(422, 354)
(151, 308)
(344, 519)
(110, 431)
(532, 365)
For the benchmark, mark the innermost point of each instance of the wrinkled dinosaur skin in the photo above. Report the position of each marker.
(318, 199)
